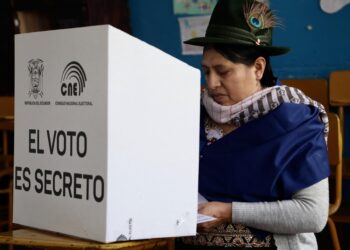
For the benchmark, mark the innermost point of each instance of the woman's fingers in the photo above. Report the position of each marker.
(209, 226)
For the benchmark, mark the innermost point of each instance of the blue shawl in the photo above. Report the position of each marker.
(267, 159)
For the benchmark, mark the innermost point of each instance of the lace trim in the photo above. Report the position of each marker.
(231, 235)
(213, 133)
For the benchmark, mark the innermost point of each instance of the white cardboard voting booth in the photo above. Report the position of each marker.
(106, 136)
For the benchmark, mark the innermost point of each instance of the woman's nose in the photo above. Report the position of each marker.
(212, 81)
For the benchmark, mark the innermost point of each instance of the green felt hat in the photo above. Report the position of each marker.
(241, 23)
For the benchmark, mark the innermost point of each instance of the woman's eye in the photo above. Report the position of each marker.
(224, 72)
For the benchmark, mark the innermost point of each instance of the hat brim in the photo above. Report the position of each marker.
(203, 41)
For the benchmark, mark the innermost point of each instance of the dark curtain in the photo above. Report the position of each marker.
(7, 29)
(113, 12)
(61, 14)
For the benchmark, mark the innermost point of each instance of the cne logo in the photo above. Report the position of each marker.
(73, 79)
(36, 70)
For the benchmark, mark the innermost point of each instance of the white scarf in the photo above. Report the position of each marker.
(258, 105)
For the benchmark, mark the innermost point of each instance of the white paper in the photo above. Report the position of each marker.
(202, 217)
(332, 6)
(201, 199)
(191, 27)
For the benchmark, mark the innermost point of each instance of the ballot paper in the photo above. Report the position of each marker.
(201, 218)
(201, 199)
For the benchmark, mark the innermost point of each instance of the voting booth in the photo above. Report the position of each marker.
(106, 136)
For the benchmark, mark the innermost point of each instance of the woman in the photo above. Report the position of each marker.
(263, 157)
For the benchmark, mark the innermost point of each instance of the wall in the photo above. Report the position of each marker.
(320, 42)
(314, 54)
(155, 23)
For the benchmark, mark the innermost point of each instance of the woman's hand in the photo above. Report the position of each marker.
(220, 210)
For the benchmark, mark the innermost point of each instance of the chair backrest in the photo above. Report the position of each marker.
(6, 176)
(339, 88)
(6, 157)
(317, 89)
(7, 106)
(335, 151)
(6, 130)
(339, 92)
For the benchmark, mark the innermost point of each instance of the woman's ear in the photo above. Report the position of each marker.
(260, 64)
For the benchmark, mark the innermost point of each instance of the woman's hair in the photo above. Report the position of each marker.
(247, 56)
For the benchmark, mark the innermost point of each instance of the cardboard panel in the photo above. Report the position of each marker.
(106, 136)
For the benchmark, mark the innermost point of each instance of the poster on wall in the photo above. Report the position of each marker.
(191, 27)
(194, 7)
(332, 6)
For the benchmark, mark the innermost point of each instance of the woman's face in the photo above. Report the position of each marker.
(228, 82)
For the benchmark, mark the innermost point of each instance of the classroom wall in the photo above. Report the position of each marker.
(320, 42)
